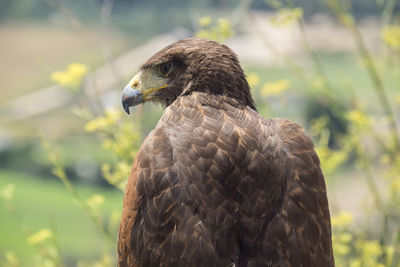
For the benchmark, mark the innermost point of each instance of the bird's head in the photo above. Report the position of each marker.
(185, 66)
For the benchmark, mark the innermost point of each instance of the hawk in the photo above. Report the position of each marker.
(215, 183)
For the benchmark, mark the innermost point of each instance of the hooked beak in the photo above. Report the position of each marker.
(142, 88)
(131, 97)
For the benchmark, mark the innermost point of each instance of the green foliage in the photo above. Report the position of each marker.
(354, 250)
(121, 138)
(217, 31)
(370, 141)
(286, 16)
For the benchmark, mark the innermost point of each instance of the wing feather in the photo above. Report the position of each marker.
(304, 213)
(219, 185)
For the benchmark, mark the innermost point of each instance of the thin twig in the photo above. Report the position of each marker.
(58, 171)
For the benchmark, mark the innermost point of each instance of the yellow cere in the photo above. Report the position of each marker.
(135, 80)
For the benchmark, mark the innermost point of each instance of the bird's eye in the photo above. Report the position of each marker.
(165, 69)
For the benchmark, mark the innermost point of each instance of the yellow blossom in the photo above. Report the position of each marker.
(341, 249)
(391, 36)
(225, 28)
(253, 79)
(318, 124)
(115, 217)
(113, 115)
(395, 186)
(359, 118)
(343, 219)
(39, 236)
(101, 123)
(287, 16)
(95, 124)
(274, 88)
(333, 159)
(390, 252)
(356, 263)
(205, 21)
(318, 82)
(116, 176)
(346, 19)
(370, 248)
(345, 237)
(219, 32)
(72, 77)
(202, 34)
(11, 258)
(397, 99)
(7, 192)
(95, 201)
(77, 69)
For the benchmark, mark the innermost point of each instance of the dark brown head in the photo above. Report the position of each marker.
(184, 67)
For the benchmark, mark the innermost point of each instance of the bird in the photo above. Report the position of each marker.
(215, 183)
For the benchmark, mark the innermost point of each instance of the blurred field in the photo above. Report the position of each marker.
(31, 52)
(345, 74)
(43, 202)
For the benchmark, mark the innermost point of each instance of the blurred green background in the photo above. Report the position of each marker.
(66, 147)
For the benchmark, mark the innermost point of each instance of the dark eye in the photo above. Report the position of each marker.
(165, 69)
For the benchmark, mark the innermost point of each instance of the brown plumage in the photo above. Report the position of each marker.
(215, 183)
